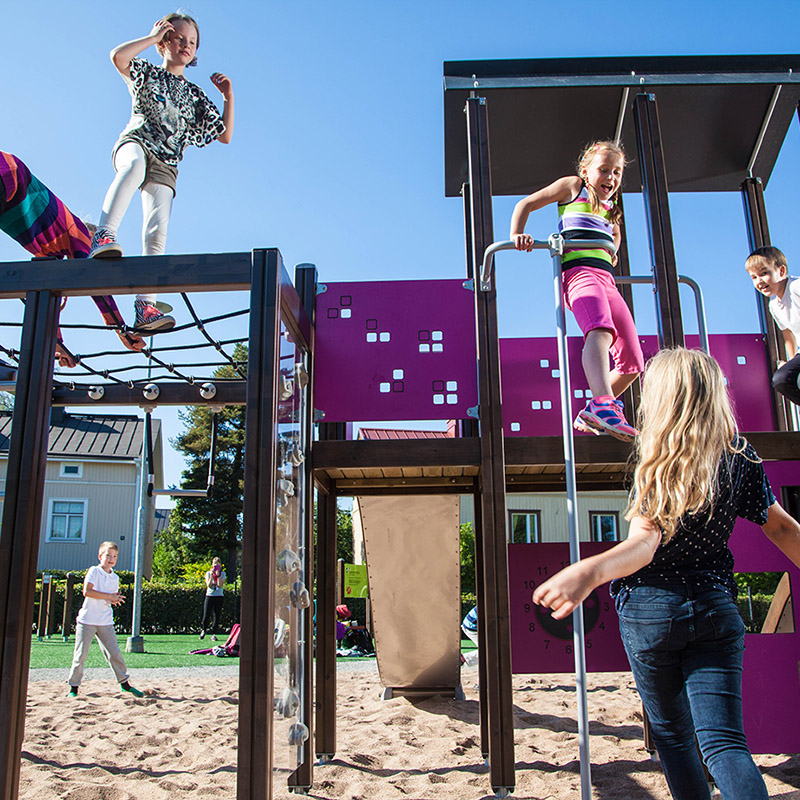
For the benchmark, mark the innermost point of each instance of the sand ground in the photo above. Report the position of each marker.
(179, 741)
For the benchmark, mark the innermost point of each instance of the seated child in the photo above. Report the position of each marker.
(96, 618)
(768, 268)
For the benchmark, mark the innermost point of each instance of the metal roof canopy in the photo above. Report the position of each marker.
(717, 113)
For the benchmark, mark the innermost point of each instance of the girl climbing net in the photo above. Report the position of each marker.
(673, 576)
(169, 113)
(588, 209)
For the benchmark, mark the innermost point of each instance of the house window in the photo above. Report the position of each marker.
(523, 527)
(604, 526)
(71, 470)
(67, 521)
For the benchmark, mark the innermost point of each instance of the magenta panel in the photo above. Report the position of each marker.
(395, 350)
(531, 398)
(542, 644)
(771, 681)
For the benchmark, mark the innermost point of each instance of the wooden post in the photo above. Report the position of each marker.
(22, 519)
(656, 199)
(40, 623)
(66, 619)
(256, 661)
(755, 217)
(51, 608)
(494, 616)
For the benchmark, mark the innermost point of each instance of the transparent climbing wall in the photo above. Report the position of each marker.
(292, 593)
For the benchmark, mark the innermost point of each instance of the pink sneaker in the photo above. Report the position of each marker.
(149, 318)
(605, 415)
(104, 244)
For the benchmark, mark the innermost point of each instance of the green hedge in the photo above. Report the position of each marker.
(165, 609)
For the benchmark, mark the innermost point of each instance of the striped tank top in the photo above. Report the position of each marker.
(577, 221)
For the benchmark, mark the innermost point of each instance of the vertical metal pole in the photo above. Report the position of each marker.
(572, 519)
(256, 657)
(135, 642)
(755, 217)
(22, 519)
(494, 613)
(659, 225)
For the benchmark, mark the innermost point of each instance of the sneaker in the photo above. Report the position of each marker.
(202, 635)
(605, 415)
(149, 318)
(131, 690)
(213, 637)
(104, 244)
(73, 691)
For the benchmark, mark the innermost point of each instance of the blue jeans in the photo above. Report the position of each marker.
(685, 647)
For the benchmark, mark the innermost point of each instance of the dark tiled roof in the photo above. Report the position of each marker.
(162, 519)
(89, 435)
(383, 433)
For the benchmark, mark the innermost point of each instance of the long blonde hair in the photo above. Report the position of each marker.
(586, 157)
(686, 423)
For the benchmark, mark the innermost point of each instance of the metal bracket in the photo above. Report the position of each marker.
(322, 288)
(473, 412)
(318, 415)
(469, 285)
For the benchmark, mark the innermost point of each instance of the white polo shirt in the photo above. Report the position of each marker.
(95, 611)
(786, 310)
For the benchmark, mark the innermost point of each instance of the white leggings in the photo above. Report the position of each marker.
(130, 164)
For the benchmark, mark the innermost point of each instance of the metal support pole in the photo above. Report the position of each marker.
(572, 517)
(22, 519)
(755, 217)
(494, 611)
(659, 225)
(135, 642)
(256, 660)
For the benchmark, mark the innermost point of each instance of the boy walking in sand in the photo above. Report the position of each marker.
(769, 270)
(96, 618)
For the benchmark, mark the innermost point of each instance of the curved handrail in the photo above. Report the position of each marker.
(554, 244)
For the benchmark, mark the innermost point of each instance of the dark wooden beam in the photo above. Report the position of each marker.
(22, 517)
(396, 452)
(256, 661)
(215, 272)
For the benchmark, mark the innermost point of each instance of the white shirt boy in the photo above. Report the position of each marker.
(786, 310)
(95, 611)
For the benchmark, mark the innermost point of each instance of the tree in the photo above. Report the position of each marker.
(344, 534)
(467, 536)
(170, 550)
(214, 526)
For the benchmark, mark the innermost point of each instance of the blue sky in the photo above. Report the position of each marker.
(337, 156)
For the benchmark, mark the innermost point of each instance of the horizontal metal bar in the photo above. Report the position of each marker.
(229, 393)
(180, 492)
(468, 83)
(209, 272)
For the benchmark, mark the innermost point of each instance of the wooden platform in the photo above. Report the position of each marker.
(533, 464)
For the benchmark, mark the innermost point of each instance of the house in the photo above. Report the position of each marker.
(92, 487)
(531, 517)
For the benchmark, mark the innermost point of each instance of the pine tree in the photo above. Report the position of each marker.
(214, 525)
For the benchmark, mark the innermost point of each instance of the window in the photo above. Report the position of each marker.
(604, 526)
(523, 527)
(71, 470)
(67, 521)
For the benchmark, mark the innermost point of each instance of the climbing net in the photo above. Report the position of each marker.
(191, 352)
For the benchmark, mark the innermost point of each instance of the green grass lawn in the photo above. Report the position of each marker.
(162, 650)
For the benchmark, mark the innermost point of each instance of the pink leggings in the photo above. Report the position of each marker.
(592, 296)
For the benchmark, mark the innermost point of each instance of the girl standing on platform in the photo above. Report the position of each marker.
(673, 576)
(169, 113)
(588, 209)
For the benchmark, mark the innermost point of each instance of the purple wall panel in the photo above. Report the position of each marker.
(770, 682)
(531, 399)
(395, 350)
(541, 644)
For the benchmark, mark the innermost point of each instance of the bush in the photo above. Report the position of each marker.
(165, 609)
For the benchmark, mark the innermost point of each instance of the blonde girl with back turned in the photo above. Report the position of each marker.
(168, 114)
(588, 209)
(672, 578)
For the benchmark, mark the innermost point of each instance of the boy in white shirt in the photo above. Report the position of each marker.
(96, 618)
(768, 268)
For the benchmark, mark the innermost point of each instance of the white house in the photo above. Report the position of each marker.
(92, 487)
